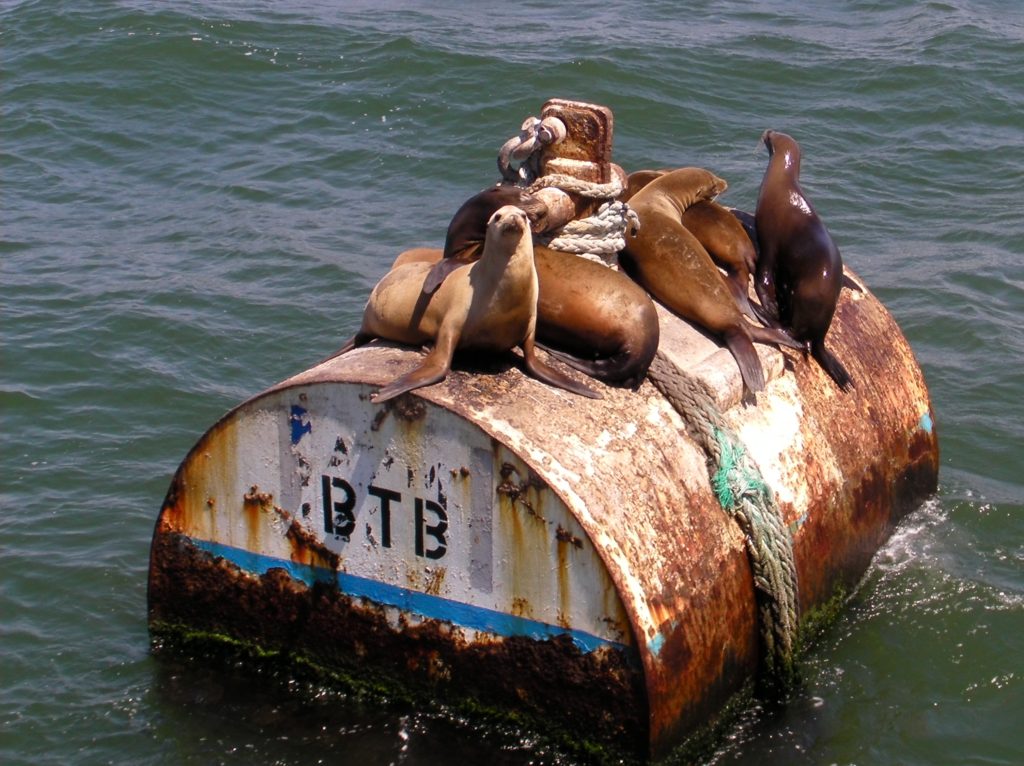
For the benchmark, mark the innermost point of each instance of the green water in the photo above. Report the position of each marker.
(195, 199)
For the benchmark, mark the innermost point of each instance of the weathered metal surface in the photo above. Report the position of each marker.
(586, 150)
(588, 575)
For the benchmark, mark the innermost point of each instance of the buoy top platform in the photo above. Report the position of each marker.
(496, 544)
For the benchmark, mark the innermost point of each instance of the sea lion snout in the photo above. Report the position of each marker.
(509, 218)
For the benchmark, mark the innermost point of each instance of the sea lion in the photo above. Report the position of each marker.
(720, 233)
(729, 246)
(799, 269)
(637, 180)
(669, 262)
(468, 227)
(593, 318)
(490, 305)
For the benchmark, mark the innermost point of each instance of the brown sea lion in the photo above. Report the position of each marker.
(468, 227)
(674, 267)
(799, 270)
(594, 319)
(720, 232)
(729, 246)
(637, 180)
(490, 305)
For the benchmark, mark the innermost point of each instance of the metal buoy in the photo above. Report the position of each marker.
(564, 560)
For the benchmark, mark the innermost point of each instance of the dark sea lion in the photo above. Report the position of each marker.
(489, 305)
(750, 226)
(468, 227)
(594, 319)
(799, 270)
(672, 265)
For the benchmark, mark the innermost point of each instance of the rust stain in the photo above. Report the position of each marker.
(306, 547)
(601, 691)
(408, 407)
(526, 492)
(563, 535)
(434, 580)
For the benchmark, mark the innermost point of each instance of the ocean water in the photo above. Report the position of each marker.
(195, 199)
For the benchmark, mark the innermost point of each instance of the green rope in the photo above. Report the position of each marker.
(743, 493)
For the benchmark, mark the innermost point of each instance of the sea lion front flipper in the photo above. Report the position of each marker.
(424, 375)
(739, 293)
(832, 366)
(851, 284)
(550, 375)
(434, 368)
(763, 317)
(764, 286)
(438, 272)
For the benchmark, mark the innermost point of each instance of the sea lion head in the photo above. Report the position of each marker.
(789, 149)
(468, 226)
(508, 221)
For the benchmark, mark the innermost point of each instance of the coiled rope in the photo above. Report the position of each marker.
(598, 238)
(743, 493)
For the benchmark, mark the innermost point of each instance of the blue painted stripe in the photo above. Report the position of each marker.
(925, 423)
(423, 604)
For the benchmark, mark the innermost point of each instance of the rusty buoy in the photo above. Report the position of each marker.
(493, 539)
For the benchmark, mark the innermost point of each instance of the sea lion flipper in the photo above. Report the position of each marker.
(746, 357)
(551, 376)
(739, 293)
(775, 336)
(438, 272)
(424, 375)
(832, 366)
(434, 368)
(851, 284)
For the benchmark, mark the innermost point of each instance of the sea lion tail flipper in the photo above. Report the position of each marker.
(550, 375)
(774, 336)
(438, 272)
(623, 369)
(739, 293)
(359, 339)
(743, 351)
(831, 365)
(849, 282)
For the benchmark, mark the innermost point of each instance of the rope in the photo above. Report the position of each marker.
(574, 185)
(743, 493)
(598, 238)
